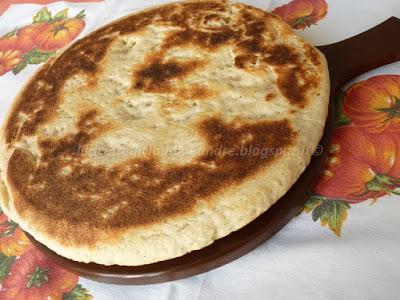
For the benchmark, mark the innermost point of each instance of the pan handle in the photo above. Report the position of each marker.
(366, 51)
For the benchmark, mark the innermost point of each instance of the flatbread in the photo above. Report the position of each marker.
(161, 132)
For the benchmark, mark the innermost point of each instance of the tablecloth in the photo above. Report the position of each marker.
(345, 245)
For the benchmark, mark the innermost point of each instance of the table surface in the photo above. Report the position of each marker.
(345, 243)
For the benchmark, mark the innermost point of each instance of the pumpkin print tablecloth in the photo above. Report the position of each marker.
(346, 243)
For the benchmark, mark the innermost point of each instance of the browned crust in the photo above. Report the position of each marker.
(149, 192)
(155, 75)
(86, 55)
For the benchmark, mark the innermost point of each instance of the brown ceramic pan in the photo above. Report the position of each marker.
(347, 59)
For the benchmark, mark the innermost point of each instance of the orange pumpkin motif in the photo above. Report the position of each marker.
(9, 59)
(374, 104)
(300, 14)
(36, 42)
(58, 34)
(13, 241)
(9, 42)
(361, 165)
(22, 39)
(34, 277)
(27, 36)
(5, 4)
(364, 156)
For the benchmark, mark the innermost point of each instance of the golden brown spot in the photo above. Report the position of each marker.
(88, 129)
(194, 91)
(312, 54)
(212, 19)
(199, 38)
(151, 192)
(270, 97)
(253, 45)
(245, 61)
(281, 55)
(156, 75)
(206, 6)
(21, 164)
(293, 80)
(294, 84)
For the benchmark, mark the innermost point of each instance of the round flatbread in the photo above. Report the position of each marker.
(161, 132)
